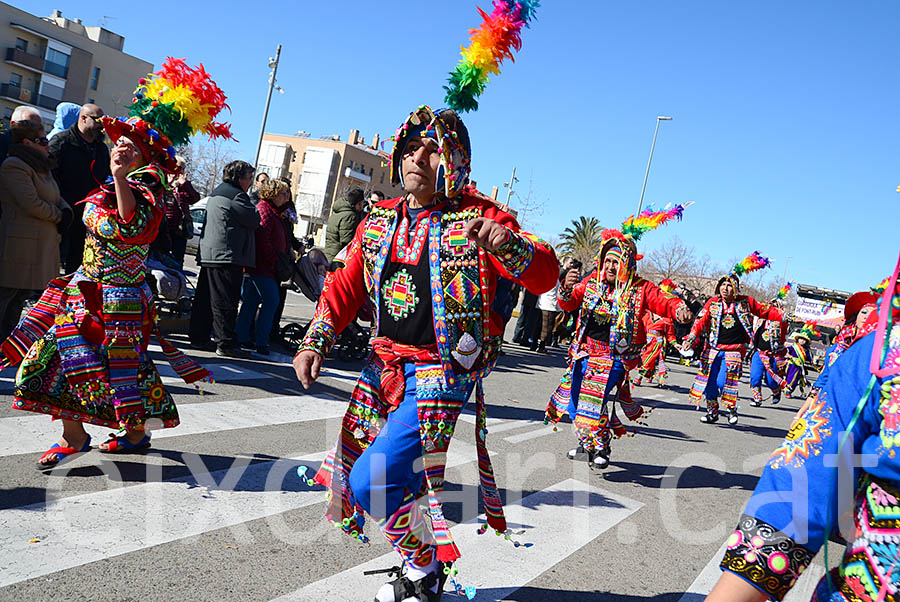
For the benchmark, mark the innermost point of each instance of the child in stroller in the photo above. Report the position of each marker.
(309, 278)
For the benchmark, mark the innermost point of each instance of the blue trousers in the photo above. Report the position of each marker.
(257, 292)
(390, 465)
(717, 377)
(615, 376)
(758, 372)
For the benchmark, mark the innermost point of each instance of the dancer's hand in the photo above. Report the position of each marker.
(486, 233)
(571, 279)
(307, 365)
(683, 314)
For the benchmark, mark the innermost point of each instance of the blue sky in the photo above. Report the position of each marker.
(785, 124)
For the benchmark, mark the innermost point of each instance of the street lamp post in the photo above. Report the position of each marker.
(786, 261)
(509, 193)
(647, 173)
(273, 64)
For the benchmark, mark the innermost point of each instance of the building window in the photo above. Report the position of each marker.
(22, 44)
(15, 80)
(57, 63)
(382, 177)
(95, 78)
(91, 101)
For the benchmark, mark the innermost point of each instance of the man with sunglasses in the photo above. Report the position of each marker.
(82, 164)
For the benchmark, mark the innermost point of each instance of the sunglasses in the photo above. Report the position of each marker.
(41, 141)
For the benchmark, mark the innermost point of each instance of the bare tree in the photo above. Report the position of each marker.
(671, 260)
(530, 207)
(204, 163)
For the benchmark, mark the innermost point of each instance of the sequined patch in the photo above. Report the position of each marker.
(400, 295)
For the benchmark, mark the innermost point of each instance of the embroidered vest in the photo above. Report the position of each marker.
(741, 310)
(459, 280)
(625, 329)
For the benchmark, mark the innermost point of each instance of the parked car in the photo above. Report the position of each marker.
(198, 216)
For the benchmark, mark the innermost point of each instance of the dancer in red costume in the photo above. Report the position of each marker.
(660, 334)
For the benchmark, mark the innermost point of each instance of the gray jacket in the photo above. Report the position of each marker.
(229, 236)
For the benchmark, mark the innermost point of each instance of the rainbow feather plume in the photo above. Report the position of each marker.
(496, 40)
(180, 101)
(750, 263)
(784, 290)
(635, 227)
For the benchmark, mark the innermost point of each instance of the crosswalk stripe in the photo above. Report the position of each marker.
(706, 580)
(33, 433)
(76, 530)
(559, 520)
(541, 432)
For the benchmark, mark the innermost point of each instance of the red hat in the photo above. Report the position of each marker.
(154, 146)
(857, 301)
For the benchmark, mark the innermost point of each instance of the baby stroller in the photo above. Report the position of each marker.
(173, 295)
(308, 278)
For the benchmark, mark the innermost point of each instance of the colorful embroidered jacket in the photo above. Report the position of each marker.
(627, 332)
(711, 316)
(796, 503)
(463, 280)
(775, 333)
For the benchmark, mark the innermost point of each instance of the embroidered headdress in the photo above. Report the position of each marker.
(621, 243)
(809, 331)
(168, 107)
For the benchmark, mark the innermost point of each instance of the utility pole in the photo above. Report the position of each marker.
(273, 65)
(650, 160)
(512, 180)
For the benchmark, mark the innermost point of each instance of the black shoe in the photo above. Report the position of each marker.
(577, 453)
(709, 418)
(207, 346)
(262, 351)
(422, 589)
(599, 459)
(235, 352)
(541, 348)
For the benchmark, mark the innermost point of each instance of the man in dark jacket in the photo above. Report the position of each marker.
(227, 246)
(345, 217)
(82, 164)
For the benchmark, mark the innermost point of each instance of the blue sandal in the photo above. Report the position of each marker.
(63, 454)
(121, 445)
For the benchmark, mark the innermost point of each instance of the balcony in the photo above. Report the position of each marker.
(36, 63)
(31, 97)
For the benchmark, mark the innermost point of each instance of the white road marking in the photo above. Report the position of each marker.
(76, 530)
(540, 432)
(706, 580)
(560, 520)
(32, 433)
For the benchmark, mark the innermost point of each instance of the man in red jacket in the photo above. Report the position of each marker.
(429, 261)
(609, 336)
(728, 319)
(660, 333)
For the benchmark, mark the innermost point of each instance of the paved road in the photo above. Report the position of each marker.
(216, 511)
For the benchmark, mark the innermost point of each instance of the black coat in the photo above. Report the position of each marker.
(74, 156)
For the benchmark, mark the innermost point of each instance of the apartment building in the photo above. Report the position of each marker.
(53, 59)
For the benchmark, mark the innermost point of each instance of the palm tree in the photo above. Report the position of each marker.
(582, 240)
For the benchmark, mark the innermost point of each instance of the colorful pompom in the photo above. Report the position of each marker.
(784, 290)
(635, 227)
(750, 263)
(496, 40)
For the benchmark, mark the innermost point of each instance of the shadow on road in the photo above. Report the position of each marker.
(540, 594)
(692, 477)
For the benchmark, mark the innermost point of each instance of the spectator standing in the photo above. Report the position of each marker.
(260, 286)
(66, 115)
(227, 246)
(20, 114)
(178, 213)
(33, 212)
(82, 164)
(549, 307)
(261, 178)
(345, 217)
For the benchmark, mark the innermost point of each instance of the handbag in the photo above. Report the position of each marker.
(187, 226)
(284, 266)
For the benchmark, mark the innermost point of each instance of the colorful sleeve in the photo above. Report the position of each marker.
(794, 506)
(701, 322)
(670, 331)
(570, 300)
(523, 258)
(830, 357)
(764, 310)
(659, 303)
(341, 298)
(101, 218)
